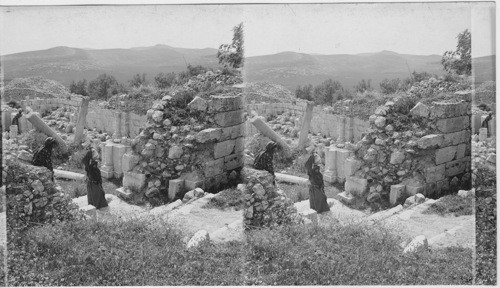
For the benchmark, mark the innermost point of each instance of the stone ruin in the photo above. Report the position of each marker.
(427, 151)
(265, 205)
(180, 149)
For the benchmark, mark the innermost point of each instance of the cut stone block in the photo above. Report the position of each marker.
(129, 161)
(456, 138)
(224, 103)
(435, 173)
(356, 186)
(428, 141)
(89, 210)
(420, 110)
(134, 181)
(107, 154)
(124, 193)
(118, 151)
(346, 197)
(107, 172)
(175, 186)
(232, 132)
(342, 155)
(448, 110)
(351, 165)
(233, 161)
(224, 148)
(414, 190)
(458, 166)
(483, 134)
(461, 151)
(214, 167)
(397, 191)
(454, 124)
(417, 245)
(310, 214)
(230, 118)
(208, 135)
(446, 154)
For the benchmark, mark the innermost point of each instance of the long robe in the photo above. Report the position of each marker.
(317, 196)
(43, 155)
(264, 161)
(95, 192)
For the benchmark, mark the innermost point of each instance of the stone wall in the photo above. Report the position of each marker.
(180, 149)
(120, 124)
(427, 151)
(324, 121)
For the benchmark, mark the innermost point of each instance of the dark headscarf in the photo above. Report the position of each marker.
(91, 167)
(264, 161)
(50, 143)
(314, 171)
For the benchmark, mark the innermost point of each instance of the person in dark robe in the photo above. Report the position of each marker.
(15, 120)
(264, 161)
(317, 197)
(43, 155)
(487, 120)
(95, 192)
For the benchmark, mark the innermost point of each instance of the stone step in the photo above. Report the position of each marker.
(124, 193)
(345, 197)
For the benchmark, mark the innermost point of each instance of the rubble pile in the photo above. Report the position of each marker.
(32, 196)
(265, 205)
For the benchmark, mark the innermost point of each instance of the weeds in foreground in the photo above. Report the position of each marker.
(227, 198)
(486, 228)
(134, 253)
(452, 204)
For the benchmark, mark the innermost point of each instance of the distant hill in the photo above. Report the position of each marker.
(65, 64)
(484, 69)
(291, 69)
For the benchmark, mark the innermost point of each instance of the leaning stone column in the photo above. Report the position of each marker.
(82, 116)
(268, 132)
(304, 131)
(44, 128)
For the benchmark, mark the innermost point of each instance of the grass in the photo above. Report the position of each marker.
(486, 229)
(452, 204)
(134, 253)
(225, 199)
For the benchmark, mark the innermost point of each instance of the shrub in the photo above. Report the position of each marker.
(164, 81)
(138, 80)
(452, 204)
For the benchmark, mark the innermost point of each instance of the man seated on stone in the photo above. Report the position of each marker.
(43, 155)
(264, 161)
(317, 196)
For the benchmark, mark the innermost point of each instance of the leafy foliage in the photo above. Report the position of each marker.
(392, 86)
(326, 93)
(79, 87)
(138, 80)
(104, 86)
(231, 55)
(459, 61)
(164, 81)
(363, 85)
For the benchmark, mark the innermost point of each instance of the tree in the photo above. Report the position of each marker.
(363, 86)
(459, 61)
(163, 81)
(79, 87)
(231, 55)
(104, 86)
(138, 80)
(325, 93)
(304, 92)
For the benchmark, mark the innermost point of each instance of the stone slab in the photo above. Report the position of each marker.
(455, 124)
(446, 154)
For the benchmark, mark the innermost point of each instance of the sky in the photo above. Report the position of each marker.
(408, 28)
